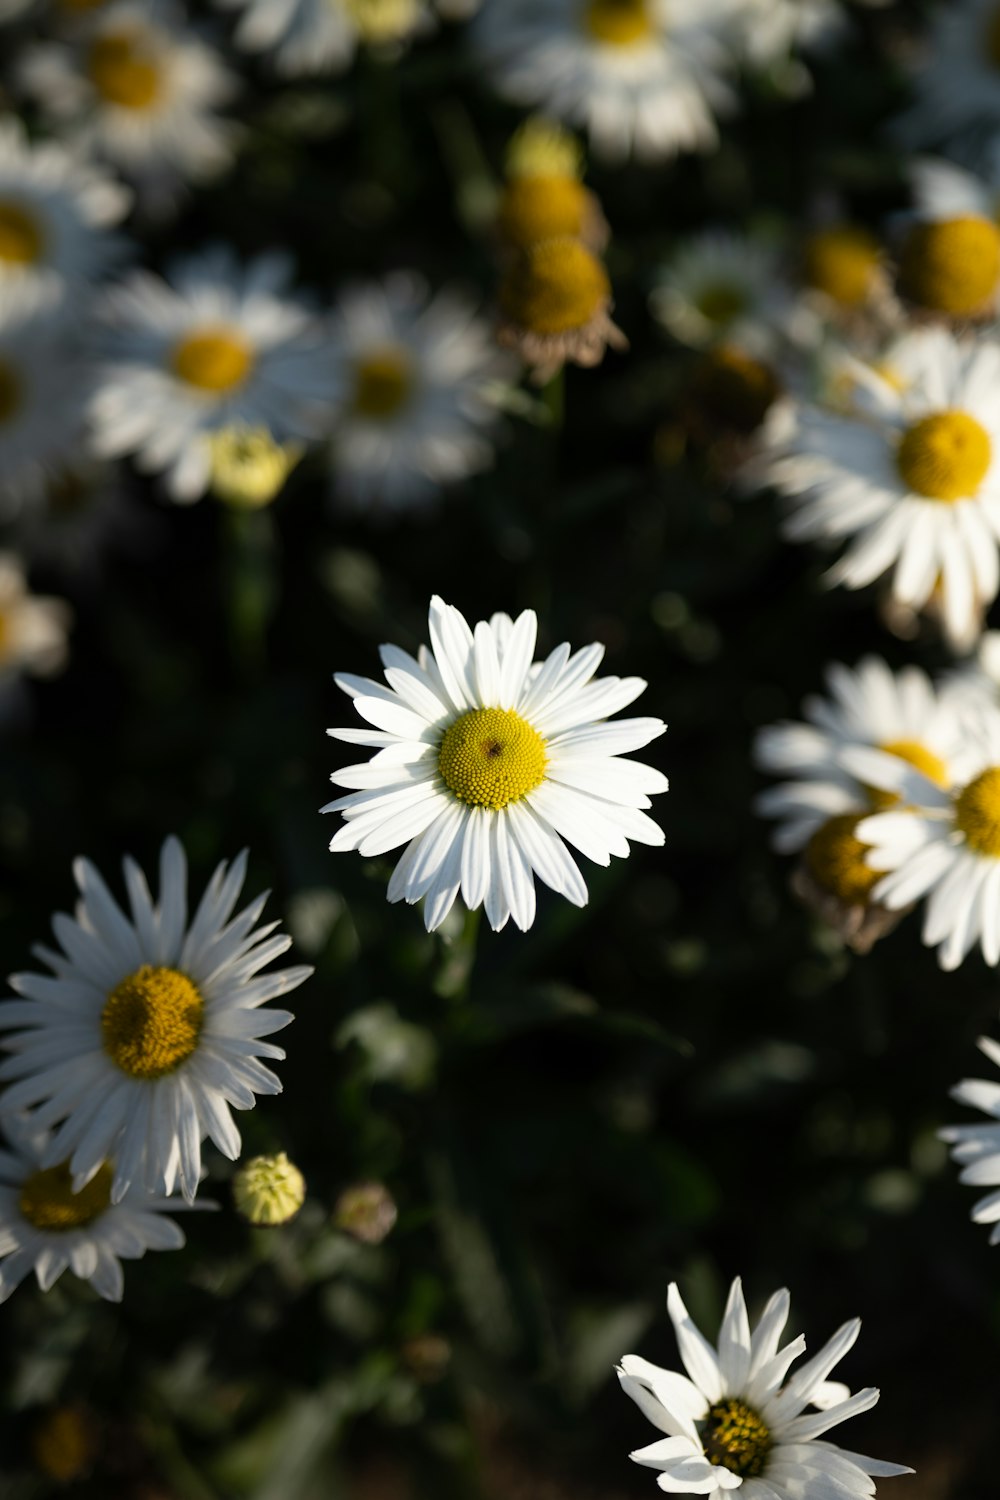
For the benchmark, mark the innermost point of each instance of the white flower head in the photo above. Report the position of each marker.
(413, 402)
(321, 36)
(976, 1148)
(215, 346)
(642, 76)
(738, 1421)
(137, 88)
(48, 1227)
(944, 190)
(33, 629)
(913, 488)
(56, 216)
(488, 763)
(148, 1029)
(942, 843)
(722, 286)
(768, 31)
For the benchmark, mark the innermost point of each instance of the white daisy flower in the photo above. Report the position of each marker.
(943, 844)
(55, 215)
(487, 762)
(976, 1148)
(977, 679)
(738, 1423)
(642, 76)
(414, 397)
(148, 1029)
(136, 87)
(769, 31)
(943, 190)
(218, 345)
(321, 36)
(47, 1227)
(722, 286)
(958, 79)
(914, 490)
(33, 629)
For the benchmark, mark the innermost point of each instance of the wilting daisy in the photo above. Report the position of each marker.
(976, 1148)
(819, 809)
(33, 629)
(721, 286)
(544, 196)
(321, 36)
(914, 488)
(413, 403)
(487, 762)
(137, 88)
(555, 307)
(942, 843)
(738, 1423)
(957, 79)
(47, 1227)
(56, 213)
(639, 75)
(148, 1029)
(217, 345)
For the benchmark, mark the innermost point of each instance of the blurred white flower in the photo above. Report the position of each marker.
(976, 1148)
(33, 629)
(720, 286)
(321, 36)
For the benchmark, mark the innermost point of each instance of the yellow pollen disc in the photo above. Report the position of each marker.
(835, 858)
(977, 813)
(383, 383)
(916, 755)
(215, 360)
(733, 391)
(490, 757)
(48, 1202)
(151, 1022)
(952, 266)
(21, 238)
(945, 456)
(542, 208)
(736, 1438)
(843, 263)
(10, 392)
(720, 303)
(619, 23)
(556, 287)
(122, 72)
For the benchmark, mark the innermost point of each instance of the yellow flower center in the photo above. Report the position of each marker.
(977, 813)
(736, 1438)
(916, 755)
(952, 266)
(541, 208)
(732, 391)
(945, 456)
(843, 263)
(491, 756)
(720, 303)
(122, 71)
(835, 858)
(557, 286)
(215, 360)
(48, 1202)
(619, 23)
(10, 392)
(21, 239)
(151, 1022)
(383, 384)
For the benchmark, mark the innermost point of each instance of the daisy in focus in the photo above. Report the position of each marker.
(822, 804)
(488, 764)
(720, 286)
(735, 1421)
(33, 629)
(976, 1148)
(913, 487)
(135, 87)
(321, 36)
(48, 1228)
(413, 399)
(218, 345)
(642, 76)
(148, 1030)
(941, 843)
(56, 214)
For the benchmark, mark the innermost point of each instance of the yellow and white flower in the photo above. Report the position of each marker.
(413, 403)
(976, 1148)
(737, 1421)
(33, 629)
(321, 36)
(642, 76)
(488, 763)
(148, 1029)
(913, 487)
(47, 1226)
(722, 287)
(216, 346)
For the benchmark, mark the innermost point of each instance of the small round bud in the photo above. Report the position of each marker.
(365, 1211)
(269, 1190)
(249, 468)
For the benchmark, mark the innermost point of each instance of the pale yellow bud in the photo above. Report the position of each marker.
(249, 468)
(269, 1190)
